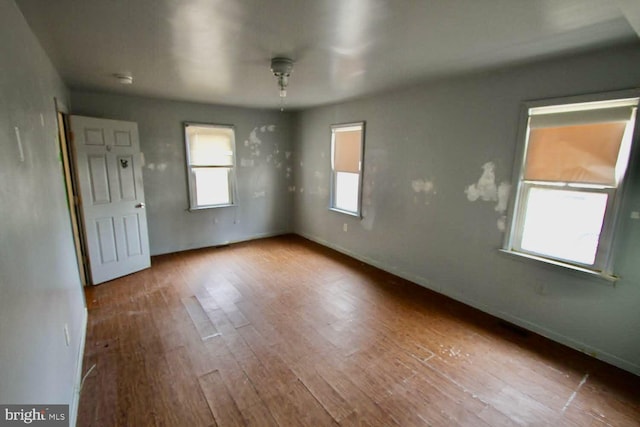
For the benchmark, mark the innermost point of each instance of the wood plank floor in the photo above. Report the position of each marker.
(283, 332)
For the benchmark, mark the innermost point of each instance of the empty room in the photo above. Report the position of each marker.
(320, 213)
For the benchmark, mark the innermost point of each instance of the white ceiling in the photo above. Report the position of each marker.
(218, 51)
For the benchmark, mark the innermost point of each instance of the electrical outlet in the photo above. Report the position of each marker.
(345, 227)
(67, 338)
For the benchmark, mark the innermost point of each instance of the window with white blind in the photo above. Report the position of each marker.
(347, 147)
(574, 160)
(210, 165)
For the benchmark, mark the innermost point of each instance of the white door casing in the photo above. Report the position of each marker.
(108, 158)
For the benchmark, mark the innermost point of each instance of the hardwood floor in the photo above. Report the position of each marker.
(284, 332)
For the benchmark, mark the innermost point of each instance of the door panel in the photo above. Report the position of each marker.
(123, 138)
(106, 234)
(126, 178)
(99, 179)
(112, 196)
(132, 234)
(93, 137)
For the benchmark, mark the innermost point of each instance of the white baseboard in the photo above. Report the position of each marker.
(229, 242)
(73, 410)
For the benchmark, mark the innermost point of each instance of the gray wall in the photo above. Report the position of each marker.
(40, 288)
(442, 133)
(264, 159)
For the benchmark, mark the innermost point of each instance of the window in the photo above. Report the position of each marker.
(210, 165)
(347, 144)
(569, 186)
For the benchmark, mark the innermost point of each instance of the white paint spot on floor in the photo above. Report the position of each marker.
(575, 392)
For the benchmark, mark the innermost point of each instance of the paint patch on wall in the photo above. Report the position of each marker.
(160, 167)
(423, 186)
(487, 190)
(292, 189)
(502, 223)
(246, 163)
(259, 194)
(254, 142)
(503, 196)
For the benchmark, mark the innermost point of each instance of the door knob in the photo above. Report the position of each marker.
(140, 205)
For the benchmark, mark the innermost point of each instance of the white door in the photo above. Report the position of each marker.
(109, 171)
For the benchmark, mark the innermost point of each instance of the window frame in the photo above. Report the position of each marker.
(603, 265)
(332, 196)
(191, 179)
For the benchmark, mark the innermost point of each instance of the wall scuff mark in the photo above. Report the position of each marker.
(487, 190)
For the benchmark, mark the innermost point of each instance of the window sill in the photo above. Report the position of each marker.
(200, 208)
(591, 273)
(356, 214)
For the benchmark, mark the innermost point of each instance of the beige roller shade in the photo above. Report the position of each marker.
(580, 117)
(210, 146)
(585, 153)
(347, 149)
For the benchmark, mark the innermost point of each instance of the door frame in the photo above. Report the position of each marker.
(71, 186)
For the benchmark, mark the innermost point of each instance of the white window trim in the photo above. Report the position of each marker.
(345, 127)
(613, 211)
(190, 178)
